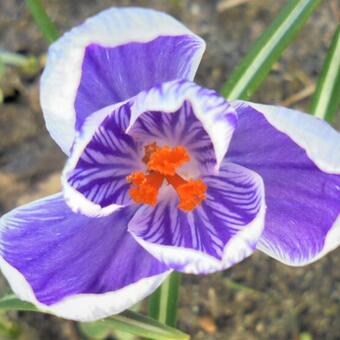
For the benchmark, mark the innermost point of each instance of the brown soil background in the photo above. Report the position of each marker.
(283, 302)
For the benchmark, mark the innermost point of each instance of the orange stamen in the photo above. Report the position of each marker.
(191, 193)
(166, 160)
(145, 188)
(162, 162)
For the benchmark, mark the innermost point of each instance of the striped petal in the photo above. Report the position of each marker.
(74, 266)
(111, 143)
(110, 58)
(94, 178)
(220, 232)
(183, 113)
(298, 157)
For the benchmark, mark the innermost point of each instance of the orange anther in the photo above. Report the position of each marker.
(166, 160)
(136, 178)
(191, 193)
(162, 162)
(145, 188)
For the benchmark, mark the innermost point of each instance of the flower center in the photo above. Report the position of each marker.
(162, 164)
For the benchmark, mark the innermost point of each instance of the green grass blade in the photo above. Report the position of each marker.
(163, 303)
(28, 64)
(42, 20)
(2, 71)
(10, 302)
(137, 324)
(128, 321)
(95, 330)
(13, 59)
(326, 98)
(255, 66)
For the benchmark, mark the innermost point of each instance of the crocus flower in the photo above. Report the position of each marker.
(162, 174)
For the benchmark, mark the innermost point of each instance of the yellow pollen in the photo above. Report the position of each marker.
(162, 163)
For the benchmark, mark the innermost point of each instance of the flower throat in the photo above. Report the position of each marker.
(162, 164)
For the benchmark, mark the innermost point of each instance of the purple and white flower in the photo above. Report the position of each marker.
(162, 174)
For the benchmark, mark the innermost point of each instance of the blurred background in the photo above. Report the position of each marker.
(257, 299)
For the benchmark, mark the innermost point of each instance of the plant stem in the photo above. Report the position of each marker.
(163, 302)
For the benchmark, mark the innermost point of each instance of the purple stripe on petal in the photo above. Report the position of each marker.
(177, 128)
(62, 254)
(220, 232)
(183, 113)
(303, 201)
(110, 145)
(103, 156)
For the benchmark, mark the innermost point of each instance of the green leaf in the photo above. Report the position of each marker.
(305, 336)
(10, 302)
(8, 329)
(239, 286)
(255, 66)
(28, 64)
(326, 98)
(2, 71)
(42, 20)
(128, 321)
(95, 330)
(163, 303)
(140, 325)
(14, 59)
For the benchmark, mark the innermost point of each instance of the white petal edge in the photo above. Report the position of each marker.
(84, 307)
(75, 199)
(332, 241)
(167, 97)
(110, 28)
(320, 141)
(195, 262)
(209, 108)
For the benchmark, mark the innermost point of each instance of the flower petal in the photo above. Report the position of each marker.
(110, 58)
(111, 143)
(298, 157)
(181, 112)
(74, 266)
(220, 232)
(94, 178)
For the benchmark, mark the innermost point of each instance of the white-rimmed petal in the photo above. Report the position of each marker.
(214, 114)
(297, 155)
(110, 58)
(110, 145)
(219, 233)
(74, 266)
(94, 178)
(314, 135)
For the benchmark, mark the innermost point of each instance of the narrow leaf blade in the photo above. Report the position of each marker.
(163, 303)
(42, 20)
(255, 66)
(10, 302)
(326, 98)
(128, 321)
(140, 325)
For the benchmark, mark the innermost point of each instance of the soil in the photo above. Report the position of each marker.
(259, 298)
